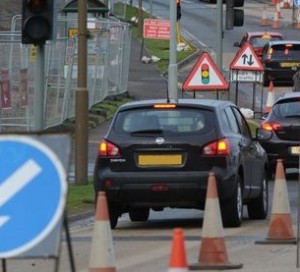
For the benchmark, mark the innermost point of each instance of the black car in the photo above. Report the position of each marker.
(158, 154)
(284, 122)
(280, 60)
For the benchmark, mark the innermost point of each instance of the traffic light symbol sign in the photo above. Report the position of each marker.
(205, 73)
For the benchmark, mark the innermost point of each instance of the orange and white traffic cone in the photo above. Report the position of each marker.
(270, 98)
(276, 23)
(278, 10)
(213, 254)
(178, 261)
(286, 4)
(264, 20)
(280, 228)
(102, 257)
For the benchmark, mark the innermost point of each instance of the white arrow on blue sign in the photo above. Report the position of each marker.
(32, 193)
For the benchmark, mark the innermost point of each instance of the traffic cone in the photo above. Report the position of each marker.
(178, 261)
(276, 23)
(102, 257)
(213, 254)
(280, 228)
(286, 4)
(264, 20)
(278, 10)
(270, 98)
(297, 25)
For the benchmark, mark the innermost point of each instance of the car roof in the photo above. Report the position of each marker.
(288, 95)
(260, 33)
(208, 103)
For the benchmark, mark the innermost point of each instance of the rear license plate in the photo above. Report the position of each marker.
(153, 160)
(295, 150)
(289, 64)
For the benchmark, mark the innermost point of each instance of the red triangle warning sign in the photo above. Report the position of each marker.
(246, 59)
(205, 76)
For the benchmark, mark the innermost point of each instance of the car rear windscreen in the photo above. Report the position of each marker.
(179, 120)
(285, 51)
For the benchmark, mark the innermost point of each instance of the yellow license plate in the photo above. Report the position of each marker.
(289, 64)
(153, 160)
(295, 150)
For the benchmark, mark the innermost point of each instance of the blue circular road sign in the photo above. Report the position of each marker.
(297, 3)
(32, 193)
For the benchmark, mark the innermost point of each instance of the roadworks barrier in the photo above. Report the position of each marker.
(213, 253)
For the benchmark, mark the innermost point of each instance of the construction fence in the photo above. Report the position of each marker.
(107, 72)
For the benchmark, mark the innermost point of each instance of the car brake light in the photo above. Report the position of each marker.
(164, 106)
(271, 126)
(108, 149)
(219, 147)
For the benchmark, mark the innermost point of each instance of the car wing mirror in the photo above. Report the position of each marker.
(263, 135)
(236, 44)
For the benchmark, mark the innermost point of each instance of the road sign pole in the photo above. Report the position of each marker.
(172, 71)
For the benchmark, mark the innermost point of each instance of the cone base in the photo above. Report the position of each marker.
(205, 266)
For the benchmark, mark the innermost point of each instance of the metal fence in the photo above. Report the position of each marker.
(108, 65)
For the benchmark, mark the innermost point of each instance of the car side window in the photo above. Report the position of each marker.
(244, 128)
(234, 127)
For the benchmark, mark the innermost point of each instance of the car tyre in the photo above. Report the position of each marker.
(258, 208)
(139, 214)
(266, 80)
(113, 215)
(232, 209)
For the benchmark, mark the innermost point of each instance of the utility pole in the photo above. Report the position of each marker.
(81, 124)
(172, 70)
(219, 34)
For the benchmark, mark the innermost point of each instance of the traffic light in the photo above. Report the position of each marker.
(205, 73)
(178, 10)
(234, 17)
(37, 21)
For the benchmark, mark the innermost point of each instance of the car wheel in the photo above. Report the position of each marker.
(139, 214)
(266, 80)
(113, 215)
(258, 208)
(232, 209)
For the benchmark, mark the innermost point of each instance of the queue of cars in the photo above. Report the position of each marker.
(159, 153)
(280, 57)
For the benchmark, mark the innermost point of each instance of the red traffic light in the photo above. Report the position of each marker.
(37, 5)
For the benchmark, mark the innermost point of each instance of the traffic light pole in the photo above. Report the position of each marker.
(219, 34)
(172, 70)
(39, 88)
(81, 107)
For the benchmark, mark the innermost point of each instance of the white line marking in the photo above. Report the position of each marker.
(16, 182)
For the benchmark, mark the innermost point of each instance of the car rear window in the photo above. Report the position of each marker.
(181, 120)
(287, 109)
(285, 51)
(260, 41)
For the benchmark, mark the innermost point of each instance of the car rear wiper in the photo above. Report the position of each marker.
(147, 131)
(292, 116)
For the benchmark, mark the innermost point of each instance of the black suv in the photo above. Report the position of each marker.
(158, 154)
(280, 60)
(284, 122)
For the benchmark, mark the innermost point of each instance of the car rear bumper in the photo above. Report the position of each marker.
(279, 74)
(163, 189)
(277, 151)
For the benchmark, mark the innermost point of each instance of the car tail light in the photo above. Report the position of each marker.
(108, 149)
(219, 147)
(164, 106)
(159, 188)
(271, 126)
